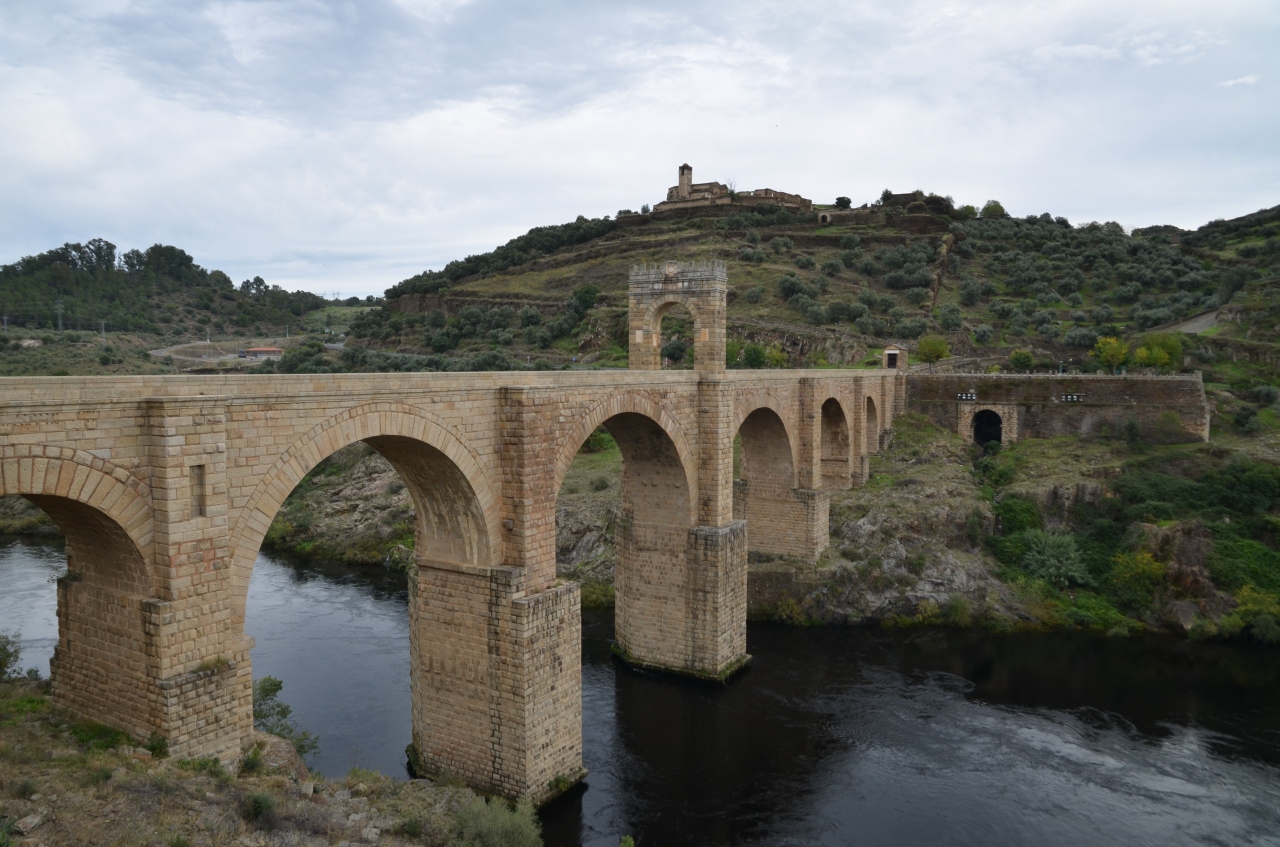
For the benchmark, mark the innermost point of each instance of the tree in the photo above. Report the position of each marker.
(932, 348)
(1021, 360)
(753, 356)
(993, 209)
(843, 203)
(1111, 352)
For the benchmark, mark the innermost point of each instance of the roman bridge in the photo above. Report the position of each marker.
(166, 485)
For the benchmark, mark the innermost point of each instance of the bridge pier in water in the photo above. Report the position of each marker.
(166, 486)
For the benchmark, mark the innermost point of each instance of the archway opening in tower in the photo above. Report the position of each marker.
(676, 338)
(987, 427)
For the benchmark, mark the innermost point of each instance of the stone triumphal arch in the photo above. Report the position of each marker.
(166, 485)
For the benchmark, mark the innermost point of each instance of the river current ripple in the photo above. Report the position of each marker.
(831, 737)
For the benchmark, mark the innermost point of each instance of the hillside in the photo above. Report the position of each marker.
(828, 294)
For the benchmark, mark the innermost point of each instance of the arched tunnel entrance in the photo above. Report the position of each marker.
(987, 427)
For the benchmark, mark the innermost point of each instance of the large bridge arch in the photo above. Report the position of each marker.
(626, 403)
(103, 667)
(835, 453)
(653, 578)
(458, 515)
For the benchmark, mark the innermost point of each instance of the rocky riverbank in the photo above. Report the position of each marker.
(65, 783)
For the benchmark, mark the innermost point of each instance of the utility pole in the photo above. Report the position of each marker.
(6, 324)
(103, 327)
(57, 304)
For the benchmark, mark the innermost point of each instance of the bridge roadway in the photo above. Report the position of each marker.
(166, 485)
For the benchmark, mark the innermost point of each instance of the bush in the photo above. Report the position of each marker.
(675, 351)
(1021, 360)
(754, 295)
(910, 328)
(258, 807)
(753, 356)
(1266, 394)
(1134, 579)
(832, 267)
(599, 483)
(949, 317)
(805, 262)
(1017, 514)
(10, 652)
(933, 348)
(1054, 559)
(983, 333)
(530, 316)
(1080, 338)
(495, 824)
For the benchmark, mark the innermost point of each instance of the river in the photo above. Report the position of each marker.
(831, 737)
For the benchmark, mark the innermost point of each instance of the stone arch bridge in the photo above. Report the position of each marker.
(166, 485)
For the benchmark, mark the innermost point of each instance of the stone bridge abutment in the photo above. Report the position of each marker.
(166, 486)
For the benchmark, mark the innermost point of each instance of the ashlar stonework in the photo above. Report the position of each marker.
(166, 485)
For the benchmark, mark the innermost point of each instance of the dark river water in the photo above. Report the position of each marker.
(830, 737)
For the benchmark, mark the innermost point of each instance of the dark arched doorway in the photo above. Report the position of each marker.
(987, 427)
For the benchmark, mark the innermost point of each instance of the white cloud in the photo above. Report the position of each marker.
(1248, 79)
(342, 144)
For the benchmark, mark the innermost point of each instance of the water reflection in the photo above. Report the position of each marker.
(839, 736)
(338, 637)
(29, 596)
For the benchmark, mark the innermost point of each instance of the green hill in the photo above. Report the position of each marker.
(826, 294)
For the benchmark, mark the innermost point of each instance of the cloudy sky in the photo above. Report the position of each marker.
(341, 145)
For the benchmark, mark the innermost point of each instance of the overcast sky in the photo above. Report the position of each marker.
(342, 146)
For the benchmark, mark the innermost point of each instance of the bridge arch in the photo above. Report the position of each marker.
(103, 511)
(652, 579)
(624, 404)
(836, 454)
(457, 512)
(103, 665)
(873, 427)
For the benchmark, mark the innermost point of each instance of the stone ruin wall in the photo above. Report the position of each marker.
(1167, 409)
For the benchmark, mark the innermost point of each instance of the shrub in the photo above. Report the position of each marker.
(843, 203)
(1054, 559)
(1257, 610)
(1134, 579)
(1080, 338)
(675, 351)
(910, 328)
(599, 483)
(805, 262)
(10, 652)
(983, 333)
(949, 317)
(753, 356)
(495, 824)
(781, 244)
(1018, 514)
(1021, 360)
(916, 296)
(1001, 309)
(932, 348)
(1266, 394)
(993, 209)
(530, 316)
(258, 807)
(754, 295)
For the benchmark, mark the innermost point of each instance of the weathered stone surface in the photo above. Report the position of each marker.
(165, 487)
